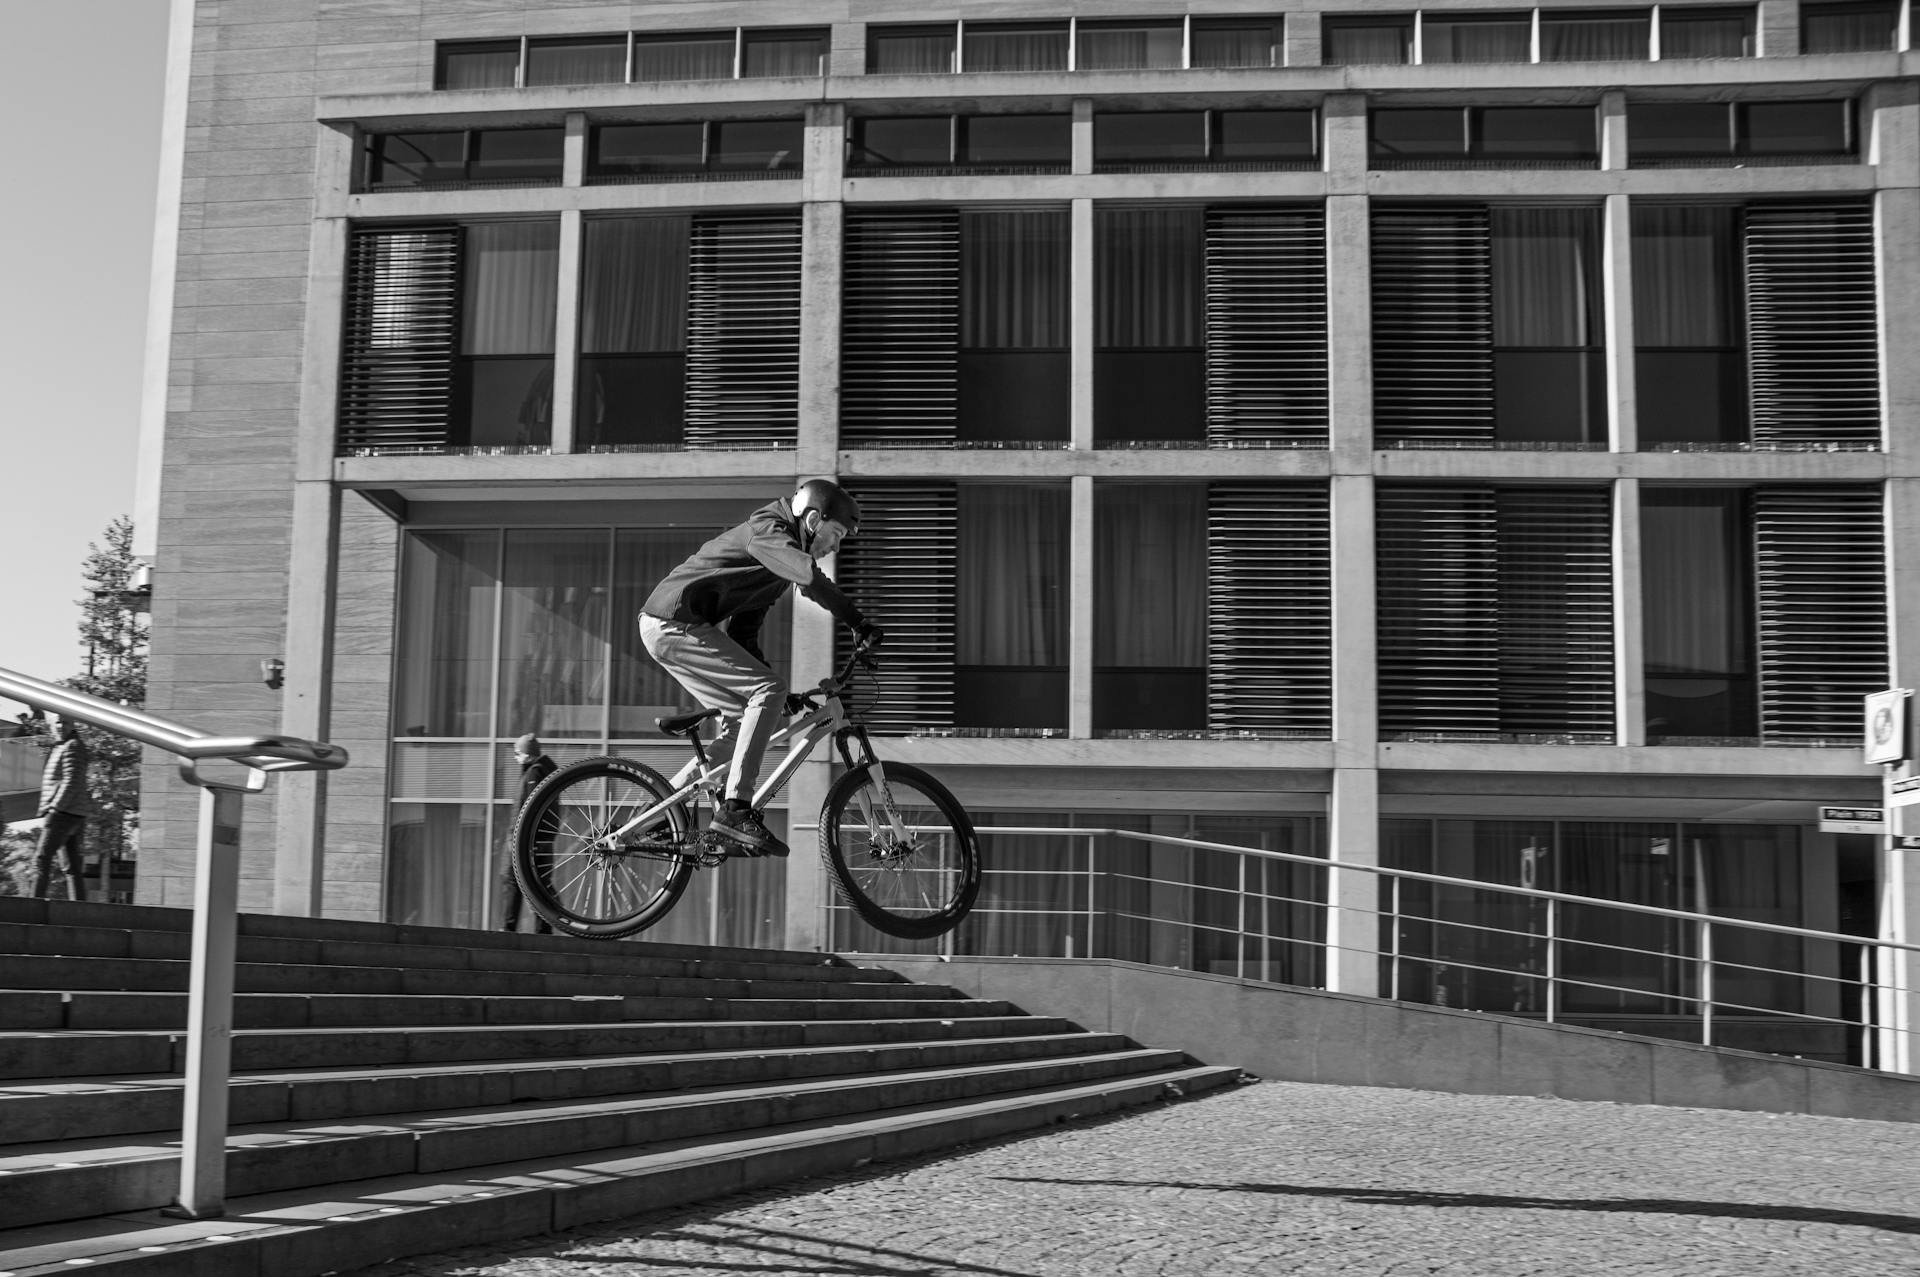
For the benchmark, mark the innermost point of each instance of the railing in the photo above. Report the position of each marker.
(215, 899)
(1509, 950)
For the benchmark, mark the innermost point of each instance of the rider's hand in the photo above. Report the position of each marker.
(869, 634)
(795, 704)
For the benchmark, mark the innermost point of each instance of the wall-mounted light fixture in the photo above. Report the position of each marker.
(272, 672)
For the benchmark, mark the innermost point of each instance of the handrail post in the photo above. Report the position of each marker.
(216, 899)
(1393, 943)
(1706, 982)
(1553, 961)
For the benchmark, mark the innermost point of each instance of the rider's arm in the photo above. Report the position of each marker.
(773, 547)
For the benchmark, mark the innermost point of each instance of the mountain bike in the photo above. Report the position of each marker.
(605, 846)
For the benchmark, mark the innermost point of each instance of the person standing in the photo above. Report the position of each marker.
(535, 767)
(65, 804)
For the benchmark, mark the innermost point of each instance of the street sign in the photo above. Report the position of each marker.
(1904, 792)
(1906, 844)
(1854, 820)
(1886, 726)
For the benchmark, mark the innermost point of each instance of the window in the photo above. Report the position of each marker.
(477, 64)
(503, 384)
(1690, 367)
(1014, 361)
(927, 50)
(658, 152)
(1619, 36)
(633, 334)
(1149, 344)
(1706, 33)
(1696, 569)
(1149, 664)
(901, 142)
(586, 60)
(1661, 134)
(1022, 140)
(1488, 136)
(1149, 137)
(474, 157)
(758, 145)
(1128, 46)
(1370, 41)
(1861, 26)
(1505, 38)
(772, 53)
(1136, 141)
(1237, 42)
(998, 143)
(1014, 46)
(683, 56)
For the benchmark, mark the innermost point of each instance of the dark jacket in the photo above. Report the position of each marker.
(733, 579)
(63, 785)
(532, 772)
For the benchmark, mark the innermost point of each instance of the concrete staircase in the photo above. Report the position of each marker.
(401, 1089)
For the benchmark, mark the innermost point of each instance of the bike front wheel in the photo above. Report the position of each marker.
(904, 856)
(572, 869)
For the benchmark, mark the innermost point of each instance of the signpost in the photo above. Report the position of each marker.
(1887, 727)
(1853, 820)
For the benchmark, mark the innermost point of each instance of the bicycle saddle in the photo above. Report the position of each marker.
(684, 724)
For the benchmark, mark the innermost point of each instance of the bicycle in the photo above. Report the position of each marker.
(604, 847)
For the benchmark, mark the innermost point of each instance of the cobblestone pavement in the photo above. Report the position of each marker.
(1282, 1177)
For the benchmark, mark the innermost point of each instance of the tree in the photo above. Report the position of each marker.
(17, 848)
(113, 628)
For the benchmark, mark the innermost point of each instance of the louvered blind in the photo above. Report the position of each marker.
(1820, 590)
(743, 332)
(1438, 611)
(900, 571)
(900, 328)
(1266, 326)
(402, 329)
(1555, 569)
(1432, 325)
(1812, 323)
(1269, 609)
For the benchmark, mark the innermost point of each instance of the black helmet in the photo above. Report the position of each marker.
(831, 500)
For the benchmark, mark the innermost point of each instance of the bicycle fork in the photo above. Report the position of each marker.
(889, 808)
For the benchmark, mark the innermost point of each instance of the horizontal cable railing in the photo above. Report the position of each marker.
(1466, 943)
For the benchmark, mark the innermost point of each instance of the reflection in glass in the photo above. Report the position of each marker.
(437, 864)
(553, 627)
(446, 623)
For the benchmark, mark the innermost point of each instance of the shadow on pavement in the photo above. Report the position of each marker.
(1621, 1205)
(875, 1261)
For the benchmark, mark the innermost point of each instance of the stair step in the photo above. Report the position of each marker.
(78, 1178)
(48, 1109)
(103, 1054)
(303, 1233)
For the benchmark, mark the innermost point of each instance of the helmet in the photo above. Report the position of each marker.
(831, 500)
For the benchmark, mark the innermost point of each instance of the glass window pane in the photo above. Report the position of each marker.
(642, 690)
(1021, 47)
(1419, 131)
(1128, 46)
(438, 864)
(554, 622)
(1696, 557)
(1150, 600)
(1849, 28)
(1613, 37)
(648, 148)
(503, 155)
(1149, 136)
(398, 160)
(1367, 42)
(1011, 646)
(446, 627)
(1546, 276)
(1623, 962)
(1679, 128)
(1706, 33)
(757, 144)
(1476, 40)
(589, 60)
(483, 64)
(699, 57)
(1237, 44)
(1016, 139)
(1265, 135)
(511, 288)
(765, 54)
(1538, 132)
(910, 50)
(919, 139)
(1806, 128)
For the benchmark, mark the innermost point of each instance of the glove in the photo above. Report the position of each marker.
(869, 634)
(795, 704)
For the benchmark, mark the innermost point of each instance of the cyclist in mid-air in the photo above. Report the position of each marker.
(702, 623)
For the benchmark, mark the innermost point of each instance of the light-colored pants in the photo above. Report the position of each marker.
(720, 675)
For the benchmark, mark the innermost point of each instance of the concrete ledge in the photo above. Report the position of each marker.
(1306, 1035)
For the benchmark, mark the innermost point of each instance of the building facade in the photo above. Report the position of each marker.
(1473, 439)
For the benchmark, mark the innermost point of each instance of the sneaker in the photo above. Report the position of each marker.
(744, 826)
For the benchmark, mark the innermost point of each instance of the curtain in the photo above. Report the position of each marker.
(1150, 575)
(1236, 46)
(1545, 266)
(1012, 587)
(1031, 49)
(446, 634)
(1369, 46)
(1621, 39)
(1697, 37)
(488, 67)
(634, 285)
(1036, 898)
(701, 59)
(917, 54)
(568, 62)
(437, 864)
(513, 278)
(768, 55)
(1849, 32)
(1128, 49)
(1688, 573)
(1476, 41)
(1685, 286)
(1151, 277)
(1013, 279)
(553, 633)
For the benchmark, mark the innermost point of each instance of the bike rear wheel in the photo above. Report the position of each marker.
(569, 874)
(915, 879)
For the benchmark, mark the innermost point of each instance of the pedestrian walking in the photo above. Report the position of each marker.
(535, 767)
(65, 804)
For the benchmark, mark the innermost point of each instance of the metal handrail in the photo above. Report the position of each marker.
(216, 890)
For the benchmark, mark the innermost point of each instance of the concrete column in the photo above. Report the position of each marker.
(1616, 292)
(1778, 28)
(1629, 660)
(1082, 135)
(807, 886)
(848, 45)
(305, 708)
(819, 442)
(825, 160)
(1897, 1005)
(1890, 123)
(1896, 230)
(573, 155)
(1081, 302)
(1353, 909)
(1350, 333)
(1613, 129)
(1343, 131)
(1303, 39)
(566, 332)
(1080, 611)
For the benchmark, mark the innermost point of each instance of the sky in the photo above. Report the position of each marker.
(76, 247)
